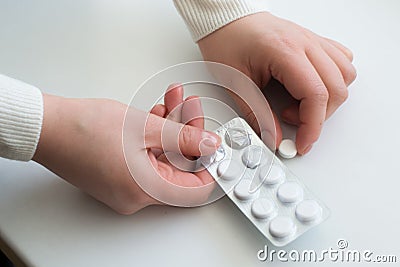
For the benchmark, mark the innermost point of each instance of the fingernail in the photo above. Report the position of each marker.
(307, 149)
(210, 139)
(173, 86)
(208, 144)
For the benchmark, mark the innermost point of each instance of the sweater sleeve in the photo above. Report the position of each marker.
(203, 17)
(21, 117)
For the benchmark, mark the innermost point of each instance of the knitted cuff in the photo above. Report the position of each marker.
(21, 117)
(203, 17)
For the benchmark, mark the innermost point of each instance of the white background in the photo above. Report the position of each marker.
(108, 48)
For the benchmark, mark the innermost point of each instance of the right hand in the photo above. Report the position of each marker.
(315, 70)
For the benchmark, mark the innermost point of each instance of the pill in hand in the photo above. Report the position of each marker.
(287, 149)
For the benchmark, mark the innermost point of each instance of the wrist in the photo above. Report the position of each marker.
(52, 115)
(81, 142)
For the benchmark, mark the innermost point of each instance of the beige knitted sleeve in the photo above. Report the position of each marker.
(21, 116)
(203, 17)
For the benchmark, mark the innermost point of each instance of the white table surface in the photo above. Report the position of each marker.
(108, 48)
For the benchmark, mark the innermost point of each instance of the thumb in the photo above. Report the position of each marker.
(176, 137)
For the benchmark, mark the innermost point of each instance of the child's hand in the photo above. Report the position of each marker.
(316, 71)
(81, 141)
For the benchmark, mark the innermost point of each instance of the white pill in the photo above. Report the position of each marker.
(282, 226)
(229, 170)
(290, 192)
(308, 210)
(271, 175)
(242, 190)
(252, 156)
(263, 208)
(287, 149)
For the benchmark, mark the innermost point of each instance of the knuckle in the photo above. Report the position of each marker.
(186, 136)
(288, 43)
(321, 94)
(304, 40)
(339, 96)
(349, 54)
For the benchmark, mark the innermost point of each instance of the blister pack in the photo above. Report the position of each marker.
(261, 186)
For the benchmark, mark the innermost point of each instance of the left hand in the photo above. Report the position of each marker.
(81, 141)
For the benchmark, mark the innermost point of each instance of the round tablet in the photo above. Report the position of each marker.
(237, 138)
(290, 192)
(308, 210)
(287, 149)
(242, 190)
(262, 208)
(229, 170)
(252, 156)
(281, 226)
(271, 176)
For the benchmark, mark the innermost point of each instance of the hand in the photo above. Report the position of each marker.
(81, 141)
(315, 70)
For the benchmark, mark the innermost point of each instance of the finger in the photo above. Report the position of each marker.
(278, 130)
(159, 110)
(341, 60)
(173, 100)
(176, 137)
(290, 114)
(302, 81)
(347, 52)
(331, 77)
(192, 112)
(247, 112)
